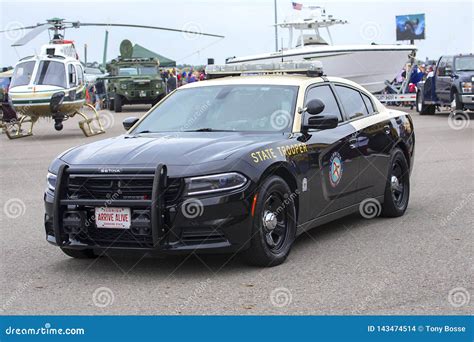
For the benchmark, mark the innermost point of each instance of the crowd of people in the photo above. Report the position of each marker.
(175, 78)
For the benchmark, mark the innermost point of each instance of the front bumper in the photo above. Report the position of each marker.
(218, 223)
(468, 101)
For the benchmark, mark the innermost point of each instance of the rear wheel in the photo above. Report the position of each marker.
(118, 104)
(274, 226)
(397, 189)
(79, 253)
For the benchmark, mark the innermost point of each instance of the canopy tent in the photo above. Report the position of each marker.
(141, 52)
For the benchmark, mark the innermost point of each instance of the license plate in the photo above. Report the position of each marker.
(142, 93)
(118, 218)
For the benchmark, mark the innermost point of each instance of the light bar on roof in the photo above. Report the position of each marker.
(278, 68)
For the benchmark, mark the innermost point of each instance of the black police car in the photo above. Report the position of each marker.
(234, 164)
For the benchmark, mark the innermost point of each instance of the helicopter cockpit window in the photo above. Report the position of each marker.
(80, 75)
(71, 71)
(22, 74)
(51, 73)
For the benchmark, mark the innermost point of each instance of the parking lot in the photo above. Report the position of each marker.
(421, 263)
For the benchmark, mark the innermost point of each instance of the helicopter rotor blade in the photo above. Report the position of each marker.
(153, 27)
(31, 35)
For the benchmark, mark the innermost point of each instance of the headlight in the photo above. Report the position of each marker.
(157, 85)
(214, 183)
(466, 87)
(51, 181)
(123, 86)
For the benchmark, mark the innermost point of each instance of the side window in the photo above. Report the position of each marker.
(80, 75)
(325, 94)
(71, 72)
(368, 103)
(441, 70)
(352, 102)
(449, 67)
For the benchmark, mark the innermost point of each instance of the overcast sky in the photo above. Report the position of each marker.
(246, 25)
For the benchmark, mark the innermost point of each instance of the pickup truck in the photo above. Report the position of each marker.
(451, 85)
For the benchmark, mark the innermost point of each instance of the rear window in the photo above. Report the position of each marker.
(352, 102)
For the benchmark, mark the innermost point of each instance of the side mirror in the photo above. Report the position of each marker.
(314, 107)
(326, 121)
(129, 122)
(56, 101)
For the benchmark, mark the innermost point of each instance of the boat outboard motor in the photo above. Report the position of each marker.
(54, 105)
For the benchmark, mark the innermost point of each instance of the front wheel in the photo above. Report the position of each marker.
(456, 102)
(397, 189)
(118, 104)
(274, 224)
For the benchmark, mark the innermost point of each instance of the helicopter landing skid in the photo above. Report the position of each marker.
(87, 125)
(14, 129)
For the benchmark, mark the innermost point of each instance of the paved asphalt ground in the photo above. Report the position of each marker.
(421, 263)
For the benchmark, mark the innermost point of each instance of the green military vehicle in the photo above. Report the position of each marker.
(133, 80)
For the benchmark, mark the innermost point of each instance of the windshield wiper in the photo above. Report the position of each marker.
(208, 129)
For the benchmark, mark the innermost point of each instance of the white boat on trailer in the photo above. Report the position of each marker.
(369, 65)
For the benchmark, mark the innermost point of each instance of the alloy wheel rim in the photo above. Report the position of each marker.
(275, 221)
(398, 184)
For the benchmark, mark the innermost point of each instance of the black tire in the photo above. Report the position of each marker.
(117, 104)
(422, 108)
(458, 106)
(79, 253)
(110, 104)
(397, 190)
(270, 245)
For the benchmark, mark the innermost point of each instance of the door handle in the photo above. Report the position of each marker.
(353, 143)
(386, 129)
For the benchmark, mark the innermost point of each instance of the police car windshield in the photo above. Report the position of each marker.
(465, 63)
(263, 108)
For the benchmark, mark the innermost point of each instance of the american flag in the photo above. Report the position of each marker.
(297, 6)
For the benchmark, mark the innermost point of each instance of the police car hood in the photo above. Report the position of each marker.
(185, 148)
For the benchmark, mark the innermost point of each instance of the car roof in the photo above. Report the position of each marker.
(288, 80)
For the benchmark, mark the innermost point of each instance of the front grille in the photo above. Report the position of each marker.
(123, 187)
(114, 238)
(202, 235)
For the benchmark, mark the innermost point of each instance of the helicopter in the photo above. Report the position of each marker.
(52, 85)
